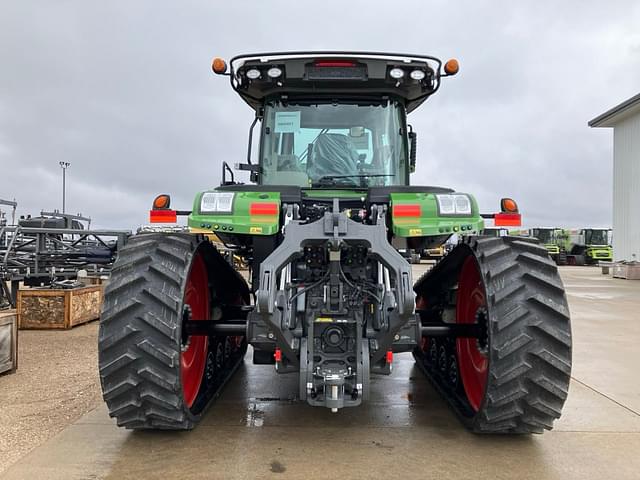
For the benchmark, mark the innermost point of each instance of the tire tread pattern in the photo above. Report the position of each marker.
(529, 338)
(140, 333)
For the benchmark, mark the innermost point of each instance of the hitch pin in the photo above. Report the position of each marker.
(334, 396)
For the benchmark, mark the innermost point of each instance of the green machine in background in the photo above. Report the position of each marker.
(553, 239)
(588, 246)
(585, 246)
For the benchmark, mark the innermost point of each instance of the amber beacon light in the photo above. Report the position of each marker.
(451, 67)
(508, 205)
(161, 202)
(219, 66)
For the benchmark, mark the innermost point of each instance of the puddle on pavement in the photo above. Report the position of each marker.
(255, 416)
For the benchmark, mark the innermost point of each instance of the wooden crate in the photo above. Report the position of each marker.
(628, 271)
(58, 309)
(8, 341)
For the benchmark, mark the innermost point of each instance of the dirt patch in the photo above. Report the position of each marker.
(56, 383)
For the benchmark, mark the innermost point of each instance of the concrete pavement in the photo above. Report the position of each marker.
(258, 430)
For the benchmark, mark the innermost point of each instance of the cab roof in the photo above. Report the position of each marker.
(328, 75)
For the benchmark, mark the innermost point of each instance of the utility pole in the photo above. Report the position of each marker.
(64, 166)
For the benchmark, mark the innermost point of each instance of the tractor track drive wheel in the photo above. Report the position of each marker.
(514, 377)
(153, 374)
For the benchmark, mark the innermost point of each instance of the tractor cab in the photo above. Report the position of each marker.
(597, 237)
(589, 246)
(334, 119)
(333, 145)
(545, 235)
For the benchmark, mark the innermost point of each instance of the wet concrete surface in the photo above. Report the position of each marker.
(258, 429)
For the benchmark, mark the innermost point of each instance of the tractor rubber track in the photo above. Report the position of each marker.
(529, 336)
(140, 336)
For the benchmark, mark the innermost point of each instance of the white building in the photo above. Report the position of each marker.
(625, 121)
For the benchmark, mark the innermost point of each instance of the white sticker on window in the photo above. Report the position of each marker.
(287, 122)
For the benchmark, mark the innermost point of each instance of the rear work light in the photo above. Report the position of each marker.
(263, 208)
(274, 72)
(253, 74)
(217, 202)
(406, 210)
(396, 73)
(453, 204)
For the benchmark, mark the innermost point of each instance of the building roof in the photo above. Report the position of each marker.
(614, 115)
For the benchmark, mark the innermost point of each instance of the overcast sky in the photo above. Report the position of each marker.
(123, 90)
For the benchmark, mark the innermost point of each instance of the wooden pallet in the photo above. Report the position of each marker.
(8, 341)
(58, 309)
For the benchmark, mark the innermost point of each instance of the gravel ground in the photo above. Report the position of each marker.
(55, 384)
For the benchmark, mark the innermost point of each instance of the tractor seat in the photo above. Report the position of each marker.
(334, 154)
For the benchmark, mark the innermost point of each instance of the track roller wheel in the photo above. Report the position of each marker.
(153, 376)
(515, 377)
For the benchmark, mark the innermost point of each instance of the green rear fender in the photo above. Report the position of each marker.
(252, 213)
(417, 215)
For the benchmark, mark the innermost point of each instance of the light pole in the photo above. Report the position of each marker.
(64, 166)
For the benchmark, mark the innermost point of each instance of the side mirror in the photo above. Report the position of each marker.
(413, 143)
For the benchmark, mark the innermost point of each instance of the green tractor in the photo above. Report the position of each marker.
(327, 296)
(554, 240)
(588, 246)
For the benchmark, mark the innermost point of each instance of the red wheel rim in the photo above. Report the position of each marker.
(421, 304)
(473, 363)
(194, 358)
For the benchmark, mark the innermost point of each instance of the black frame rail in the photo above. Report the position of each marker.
(43, 255)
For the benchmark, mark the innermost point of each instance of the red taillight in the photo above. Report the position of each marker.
(406, 210)
(507, 219)
(389, 357)
(334, 63)
(277, 355)
(263, 209)
(163, 216)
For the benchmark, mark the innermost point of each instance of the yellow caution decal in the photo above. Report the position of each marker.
(324, 320)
